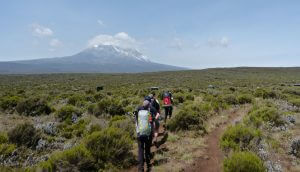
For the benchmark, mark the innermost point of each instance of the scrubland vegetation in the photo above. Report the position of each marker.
(61, 122)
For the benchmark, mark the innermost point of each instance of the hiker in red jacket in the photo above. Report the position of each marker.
(167, 104)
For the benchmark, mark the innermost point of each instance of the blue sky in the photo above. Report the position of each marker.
(190, 33)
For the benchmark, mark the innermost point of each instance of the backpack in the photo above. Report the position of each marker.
(167, 99)
(155, 104)
(143, 123)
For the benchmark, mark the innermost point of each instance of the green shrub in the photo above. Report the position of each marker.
(91, 109)
(291, 92)
(3, 138)
(266, 94)
(75, 100)
(110, 146)
(179, 97)
(9, 102)
(245, 98)
(124, 123)
(66, 112)
(108, 106)
(261, 114)
(70, 130)
(216, 102)
(295, 102)
(24, 134)
(6, 149)
(230, 99)
(33, 107)
(190, 97)
(243, 162)
(189, 117)
(99, 96)
(77, 158)
(95, 127)
(238, 137)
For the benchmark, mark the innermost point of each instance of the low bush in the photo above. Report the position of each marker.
(295, 102)
(75, 100)
(291, 92)
(110, 146)
(33, 107)
(238, 138)
(107, 106)
(3, 138)
(94, 128)
(243, 162)
(99, 96)
(190, 117)
(77, 158)
(66, 112)
(179, 97)
(9, 102)
(189, 97)
(77, 129)
(24, 134)
(230, 99)
(6, 149)
(216, 102)
(124, 123)
(261, 114)
(266, 94)
(245, 98)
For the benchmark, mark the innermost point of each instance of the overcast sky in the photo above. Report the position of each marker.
(190, 33)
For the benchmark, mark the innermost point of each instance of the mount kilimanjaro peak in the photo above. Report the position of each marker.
(96, 59)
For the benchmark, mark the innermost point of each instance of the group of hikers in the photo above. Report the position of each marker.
(147, 117)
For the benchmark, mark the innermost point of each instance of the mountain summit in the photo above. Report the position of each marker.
(96, 59)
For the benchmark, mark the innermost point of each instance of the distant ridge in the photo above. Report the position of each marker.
(97, 59)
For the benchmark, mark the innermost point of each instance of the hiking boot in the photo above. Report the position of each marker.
(149, 168)
(156, 144)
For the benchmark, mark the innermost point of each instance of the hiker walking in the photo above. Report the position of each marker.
(144, 118)
(155, 104)
(167, 104)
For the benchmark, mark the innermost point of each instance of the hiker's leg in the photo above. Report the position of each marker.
(141, 145)
(148, 151)
(152, 132)
(170, 111)
(166, 114)
(156, 130)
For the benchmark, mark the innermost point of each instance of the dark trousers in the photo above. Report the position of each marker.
(168, 112)
(144, 151)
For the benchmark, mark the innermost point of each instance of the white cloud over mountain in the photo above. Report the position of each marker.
(120, 39)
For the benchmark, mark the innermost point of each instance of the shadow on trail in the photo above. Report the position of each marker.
(163, 140)
(160, 150)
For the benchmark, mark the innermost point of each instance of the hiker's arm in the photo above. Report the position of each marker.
(157, 115)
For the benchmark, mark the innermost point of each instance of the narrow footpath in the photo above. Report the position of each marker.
(212, 160)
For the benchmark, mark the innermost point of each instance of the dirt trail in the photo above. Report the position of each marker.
(213, 155)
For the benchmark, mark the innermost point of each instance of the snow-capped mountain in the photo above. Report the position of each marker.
(99, 58)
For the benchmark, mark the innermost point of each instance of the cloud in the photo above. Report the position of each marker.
(176, 43)
(41, 31)
(121, 39)
(100, 22)
(222, 42)
(55, 43)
